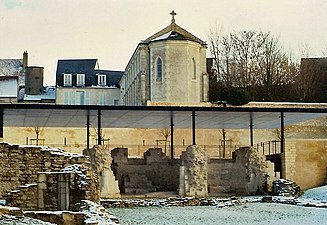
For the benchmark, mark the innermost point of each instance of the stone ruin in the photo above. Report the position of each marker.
(247, 173)
(39, 178)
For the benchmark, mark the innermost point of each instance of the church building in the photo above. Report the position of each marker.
(169, 66)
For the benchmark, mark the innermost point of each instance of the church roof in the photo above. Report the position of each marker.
(173, 32)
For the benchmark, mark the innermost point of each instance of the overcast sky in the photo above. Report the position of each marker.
(109, 30)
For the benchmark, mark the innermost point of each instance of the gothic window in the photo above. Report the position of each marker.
(159, 69)
(194, 69)
(80, 80)
(67, 79)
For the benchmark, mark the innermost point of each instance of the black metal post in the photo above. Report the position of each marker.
(171, 135)
(88, 130)
(193, 128)
(1, 123)
(99, 127)
(251, 129)
(282, 136)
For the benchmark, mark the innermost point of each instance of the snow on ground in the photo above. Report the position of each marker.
(316, 194)
(13, 220)
(253, 213)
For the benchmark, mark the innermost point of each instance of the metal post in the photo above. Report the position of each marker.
(99, 127)
(88, 130)
(1, 123)
(282, 137)
(193, 127)
(251, 129)
(171, 135)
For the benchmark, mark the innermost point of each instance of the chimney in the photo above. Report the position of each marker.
(25, 59)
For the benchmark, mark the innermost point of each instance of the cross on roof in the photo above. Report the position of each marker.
(173, 14)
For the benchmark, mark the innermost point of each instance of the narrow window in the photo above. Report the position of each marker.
(194, 69)
(159, 69)
(102, 80)
(116, 102)
(67, 79)
(80, 80)
(102, 99)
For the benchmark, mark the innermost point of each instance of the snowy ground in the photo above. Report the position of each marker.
(248, 213)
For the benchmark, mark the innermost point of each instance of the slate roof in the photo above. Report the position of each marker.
(74, 66)
(113, 76)
(87, 67)
(10, 67)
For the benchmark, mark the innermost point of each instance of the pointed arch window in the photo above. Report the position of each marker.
(194, 69)
(159, 69)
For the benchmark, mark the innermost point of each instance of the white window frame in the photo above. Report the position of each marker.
(80, 79)
(102, 80)
(102, 99)
(67, 79)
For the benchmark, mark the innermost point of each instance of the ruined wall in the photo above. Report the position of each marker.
(304, 162)
(193, 172)
(101, 161)
(246, 173)
(20, 167)
(154, 172)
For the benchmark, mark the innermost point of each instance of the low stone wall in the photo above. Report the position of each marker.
(31, 178)
(155, 172)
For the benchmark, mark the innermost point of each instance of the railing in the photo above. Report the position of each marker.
(269, 147)
(214, 151)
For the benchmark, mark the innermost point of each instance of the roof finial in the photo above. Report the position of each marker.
(173, 14)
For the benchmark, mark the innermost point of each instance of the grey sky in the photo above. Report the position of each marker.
(110, 30)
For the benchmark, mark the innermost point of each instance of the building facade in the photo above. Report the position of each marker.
(169, 66)
(80, 82)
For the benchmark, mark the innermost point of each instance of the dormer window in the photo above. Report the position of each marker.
(67, 79)
(101, 80)
(80, 79)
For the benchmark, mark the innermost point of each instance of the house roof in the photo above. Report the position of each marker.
(76, 66)
(113, 77)
(9, 67)
(173, 32)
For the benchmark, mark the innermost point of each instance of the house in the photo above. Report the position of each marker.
(12, 78)
(81, 82)
(8, 89)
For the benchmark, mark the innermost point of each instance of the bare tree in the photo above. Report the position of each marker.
(251, 61)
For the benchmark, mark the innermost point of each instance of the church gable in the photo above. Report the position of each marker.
(173, 32)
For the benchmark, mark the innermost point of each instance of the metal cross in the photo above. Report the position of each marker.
(173, 14)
